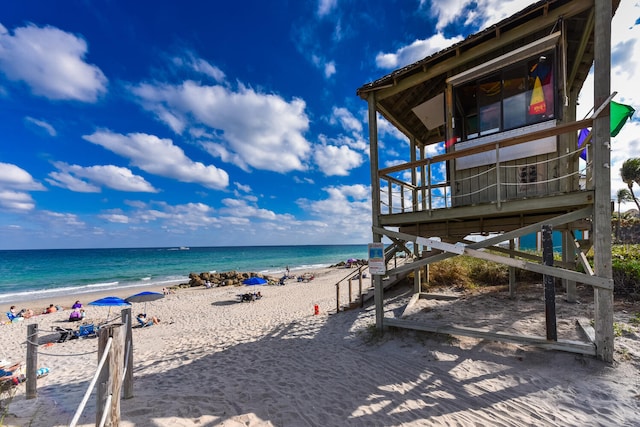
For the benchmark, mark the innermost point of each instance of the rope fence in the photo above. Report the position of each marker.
(113, 372)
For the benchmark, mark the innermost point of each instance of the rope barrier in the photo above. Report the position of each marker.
(83, 403)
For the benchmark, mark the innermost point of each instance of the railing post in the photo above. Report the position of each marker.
(350, 299)
(32, 361)
(338, 297)
(498, 183)
(110, 378)
(429, 183)
(390, 196)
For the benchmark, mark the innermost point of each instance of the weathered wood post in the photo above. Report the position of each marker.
(549, 289)
(350, 286)
(110, 378)
(127, 392)
(360, 286)
(32, 361)
(338, 297)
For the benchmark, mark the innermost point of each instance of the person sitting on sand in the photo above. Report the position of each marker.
(77, 305)
(13, 314)
(145, 320)
(75, 315)
(51, 309)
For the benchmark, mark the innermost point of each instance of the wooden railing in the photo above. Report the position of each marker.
(400, 196)
(349, 279)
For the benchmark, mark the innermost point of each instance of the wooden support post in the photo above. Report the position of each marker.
(127, 392)
(350, 291)
(32, 361)
(338, 297)
(360, 286)
(549, 289)
(603, 298)
(375, 201)
(569, 258)
(110, 377)
(512, 270)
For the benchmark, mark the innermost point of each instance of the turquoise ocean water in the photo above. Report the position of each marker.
(26, 274)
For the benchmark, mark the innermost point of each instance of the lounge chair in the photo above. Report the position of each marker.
(84, 331)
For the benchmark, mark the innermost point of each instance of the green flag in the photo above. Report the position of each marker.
(619, 115)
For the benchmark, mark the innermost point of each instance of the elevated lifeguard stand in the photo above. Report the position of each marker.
(503, 104)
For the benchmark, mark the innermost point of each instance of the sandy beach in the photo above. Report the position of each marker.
(214, 361)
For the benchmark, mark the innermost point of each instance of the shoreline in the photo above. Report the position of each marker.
(38, 304)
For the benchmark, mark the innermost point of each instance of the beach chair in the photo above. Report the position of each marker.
(84, 331)
(89, 330)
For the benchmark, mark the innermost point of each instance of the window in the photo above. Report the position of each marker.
(518, 95)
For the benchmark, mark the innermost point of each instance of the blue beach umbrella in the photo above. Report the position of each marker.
(144, 297)
(251, 281)
(109, 302)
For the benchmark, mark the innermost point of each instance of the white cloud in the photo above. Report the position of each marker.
(257, 130)
(160, 157)
(241, 209)
(347, 120)
(480, 13)
(16, 200)
(117, 218)
(14, 177)
(333, 160)
(50, 130)
(416, 51)
(72, 183)
(114, 177)
(346, 211)
(329, 69)
(51, 62)
(326, 6)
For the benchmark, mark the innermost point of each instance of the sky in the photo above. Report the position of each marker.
(221, 123)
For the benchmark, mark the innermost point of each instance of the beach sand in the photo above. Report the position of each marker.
(213, 361)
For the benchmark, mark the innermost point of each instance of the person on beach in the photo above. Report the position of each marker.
(77, 305)
(51, 309)
(13, 314)
(147, 321)
(75, 315)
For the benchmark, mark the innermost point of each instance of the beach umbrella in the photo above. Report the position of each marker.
(252, 281)
(109, 302)
(144, 297)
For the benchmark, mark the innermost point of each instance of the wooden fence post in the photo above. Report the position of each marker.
(110, 378)
(32, 361)
(128, 354)
(338, 297)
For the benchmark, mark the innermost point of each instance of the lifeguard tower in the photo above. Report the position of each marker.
(502, 102)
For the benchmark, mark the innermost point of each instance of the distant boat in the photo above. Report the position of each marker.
(184, 248)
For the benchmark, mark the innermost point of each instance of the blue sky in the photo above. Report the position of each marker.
(209, 123)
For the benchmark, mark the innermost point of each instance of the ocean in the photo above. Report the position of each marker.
(26, 274)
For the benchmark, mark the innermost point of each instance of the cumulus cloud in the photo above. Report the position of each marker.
(346, 119)
(51, 62)
(160, 157)
(478, 13)
(14, 177)
(333, 160)
(252, 129)
(346, 207)
(14, 184)
(16, 200)
(242, 209)
(114, 177)
(416, 51)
